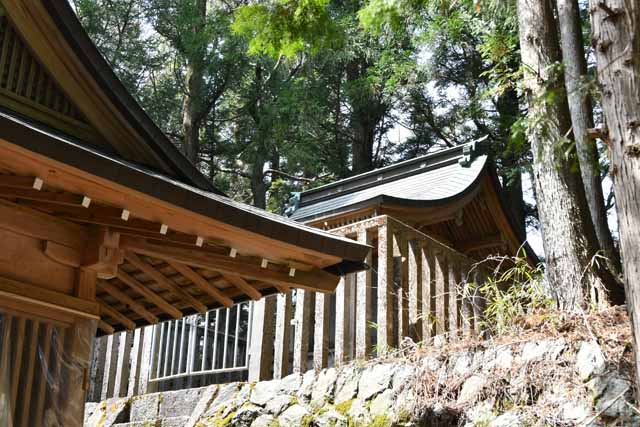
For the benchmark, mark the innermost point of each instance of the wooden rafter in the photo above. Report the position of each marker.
(242, 284)
(105, 327)
(128, 301)
(117, 316)
(149, 294)
(487, 242)
(163, 281)
(52, 197)
(201, 283)
(314, 279)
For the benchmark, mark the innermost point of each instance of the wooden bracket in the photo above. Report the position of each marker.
(103, 254)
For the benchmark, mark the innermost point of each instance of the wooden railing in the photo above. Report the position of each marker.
(416, 288)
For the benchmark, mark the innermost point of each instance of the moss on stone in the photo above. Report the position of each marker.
(343, 408)
(381, 421)
(306, 421)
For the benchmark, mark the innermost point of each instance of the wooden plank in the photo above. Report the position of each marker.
(364, 308)
(43, 368)
(441, 295)
(454, 298)
(149, 361)
(385, 284)
(428, 291)
(243, 285)
(262, 339)
(111, 363)
(321, 332)
(401, 285)
(343, 299)
(414, 260)
(283, 333)
(31, 223)
(98, 361)
(313, 279)
(303, 318)
(165, 282)
(121, 384)
(201, 283)
(128, 301)
(5, 349)
(149, 294)
(27, 376)
(106, 310)
(18, 347)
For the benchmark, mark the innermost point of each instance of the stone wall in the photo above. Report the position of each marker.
(548, 382)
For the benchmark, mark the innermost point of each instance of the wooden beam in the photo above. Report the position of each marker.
(22, 182)
(63, 254)
(28, 222)
(149, 294)
(105, 327)
(128, 301)
(243, 285)
(163, 281)
(49, 197)
(314, 279)
(117, 316)
(486, 242)
(201, 283)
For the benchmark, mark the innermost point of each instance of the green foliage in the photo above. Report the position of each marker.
(511, 293)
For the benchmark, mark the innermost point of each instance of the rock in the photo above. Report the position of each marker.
(500, 358)
(173, 422)
(278, 404)
(611, 393)
(346, 385)
(264, 391)
(589, 360)
(306, 388)
(179, 403)
(358, 412)
(330, 418)
(109, 412)
(462, 366)
(574, 412)
(324, 387)
(472, 388)
(293, 416)
(480, 415)
(263, 421)
(508, 419)
(225, 395)
(291, 383)
(145, 407)
(382, 403)
(245, 415)
(403, 377)
(206, 398)
(374, 380)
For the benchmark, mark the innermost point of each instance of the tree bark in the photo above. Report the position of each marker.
(616, 32)
(568, 237)
(580, 107)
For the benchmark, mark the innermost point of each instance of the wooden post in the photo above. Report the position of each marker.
(478, 301)
(454, 298)
(111, 362)
(122, 371)
(467, 308)
(401, 287)
(414, 265)
(428, 291)
(343, 304)
(133, 388)
(441, 296)
(385, 283)
(283, 335)
(262, 337)
(363, 301)
(97, 368)
(321, 332)
(304, 301)
(150, 346)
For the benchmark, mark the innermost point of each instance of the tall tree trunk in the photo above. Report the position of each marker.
(568, 237)
(616, 31)
(575, 74)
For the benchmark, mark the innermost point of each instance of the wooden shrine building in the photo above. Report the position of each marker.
(105, 226)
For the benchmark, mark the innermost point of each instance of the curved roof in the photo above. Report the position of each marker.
(426, 181)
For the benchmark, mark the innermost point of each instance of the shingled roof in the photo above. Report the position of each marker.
(426, 181)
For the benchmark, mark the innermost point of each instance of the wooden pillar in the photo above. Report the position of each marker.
(454, 298)
(363, 301)
(150, 346)
(110, 365)
(283, 335)
(343, 305)
(428, 291)
(441, 296)
(137, 348)
(385, 283)
(401, 286)
(122, 371)
(478, 301)
(304, 306)
(414, 265)
(97, 368)
(321, 332)
(262, 339)
(467, 307)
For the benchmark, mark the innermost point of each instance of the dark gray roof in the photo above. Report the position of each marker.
(424, 181)
(55, 145)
